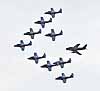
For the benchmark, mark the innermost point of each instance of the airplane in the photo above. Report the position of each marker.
(48, 65)
(64, 78)
(52, 12)
(61, 62)
(76, 48)
(36, 57)
(53, 35)
(22, 45)
(43, 22)
(32, 33)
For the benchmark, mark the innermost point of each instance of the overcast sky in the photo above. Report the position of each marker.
(80, 22)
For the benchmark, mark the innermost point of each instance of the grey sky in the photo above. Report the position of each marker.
(80, 22)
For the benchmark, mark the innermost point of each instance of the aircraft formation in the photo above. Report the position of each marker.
(53, 35)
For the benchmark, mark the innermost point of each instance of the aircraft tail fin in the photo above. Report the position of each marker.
(84, 47)
(30, 43)
(50, 20)
(61, 33)
(60, 11)
(69, 61)
(44, 55)
(72, 75)
(39, 31)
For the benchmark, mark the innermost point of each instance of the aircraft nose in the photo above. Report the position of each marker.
(67, 48)
(15, 45)
(46, 35)
(35, 22)
(46, 13)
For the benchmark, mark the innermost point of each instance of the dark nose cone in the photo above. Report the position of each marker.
(46, 13)
(67, 48)
(14, 45)
(47, 34)
(36, 22)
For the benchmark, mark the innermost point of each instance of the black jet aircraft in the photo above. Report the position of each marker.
(53, 34)
(61, 62)
(36, 57)
(52, 12)
(48, 65)
(22, 45)
(76, 48)
(64, 78)
(32, 33)
(43, 22)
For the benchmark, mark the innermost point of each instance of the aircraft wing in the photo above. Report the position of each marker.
(64, 80)
(53, 15)
(31, 30)
(49, 69)
(53, 38)
(43, 25)
(62, 65)
(32, 36)
(22, 48)
(78, 53)
(76, 45)
(21, 42)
